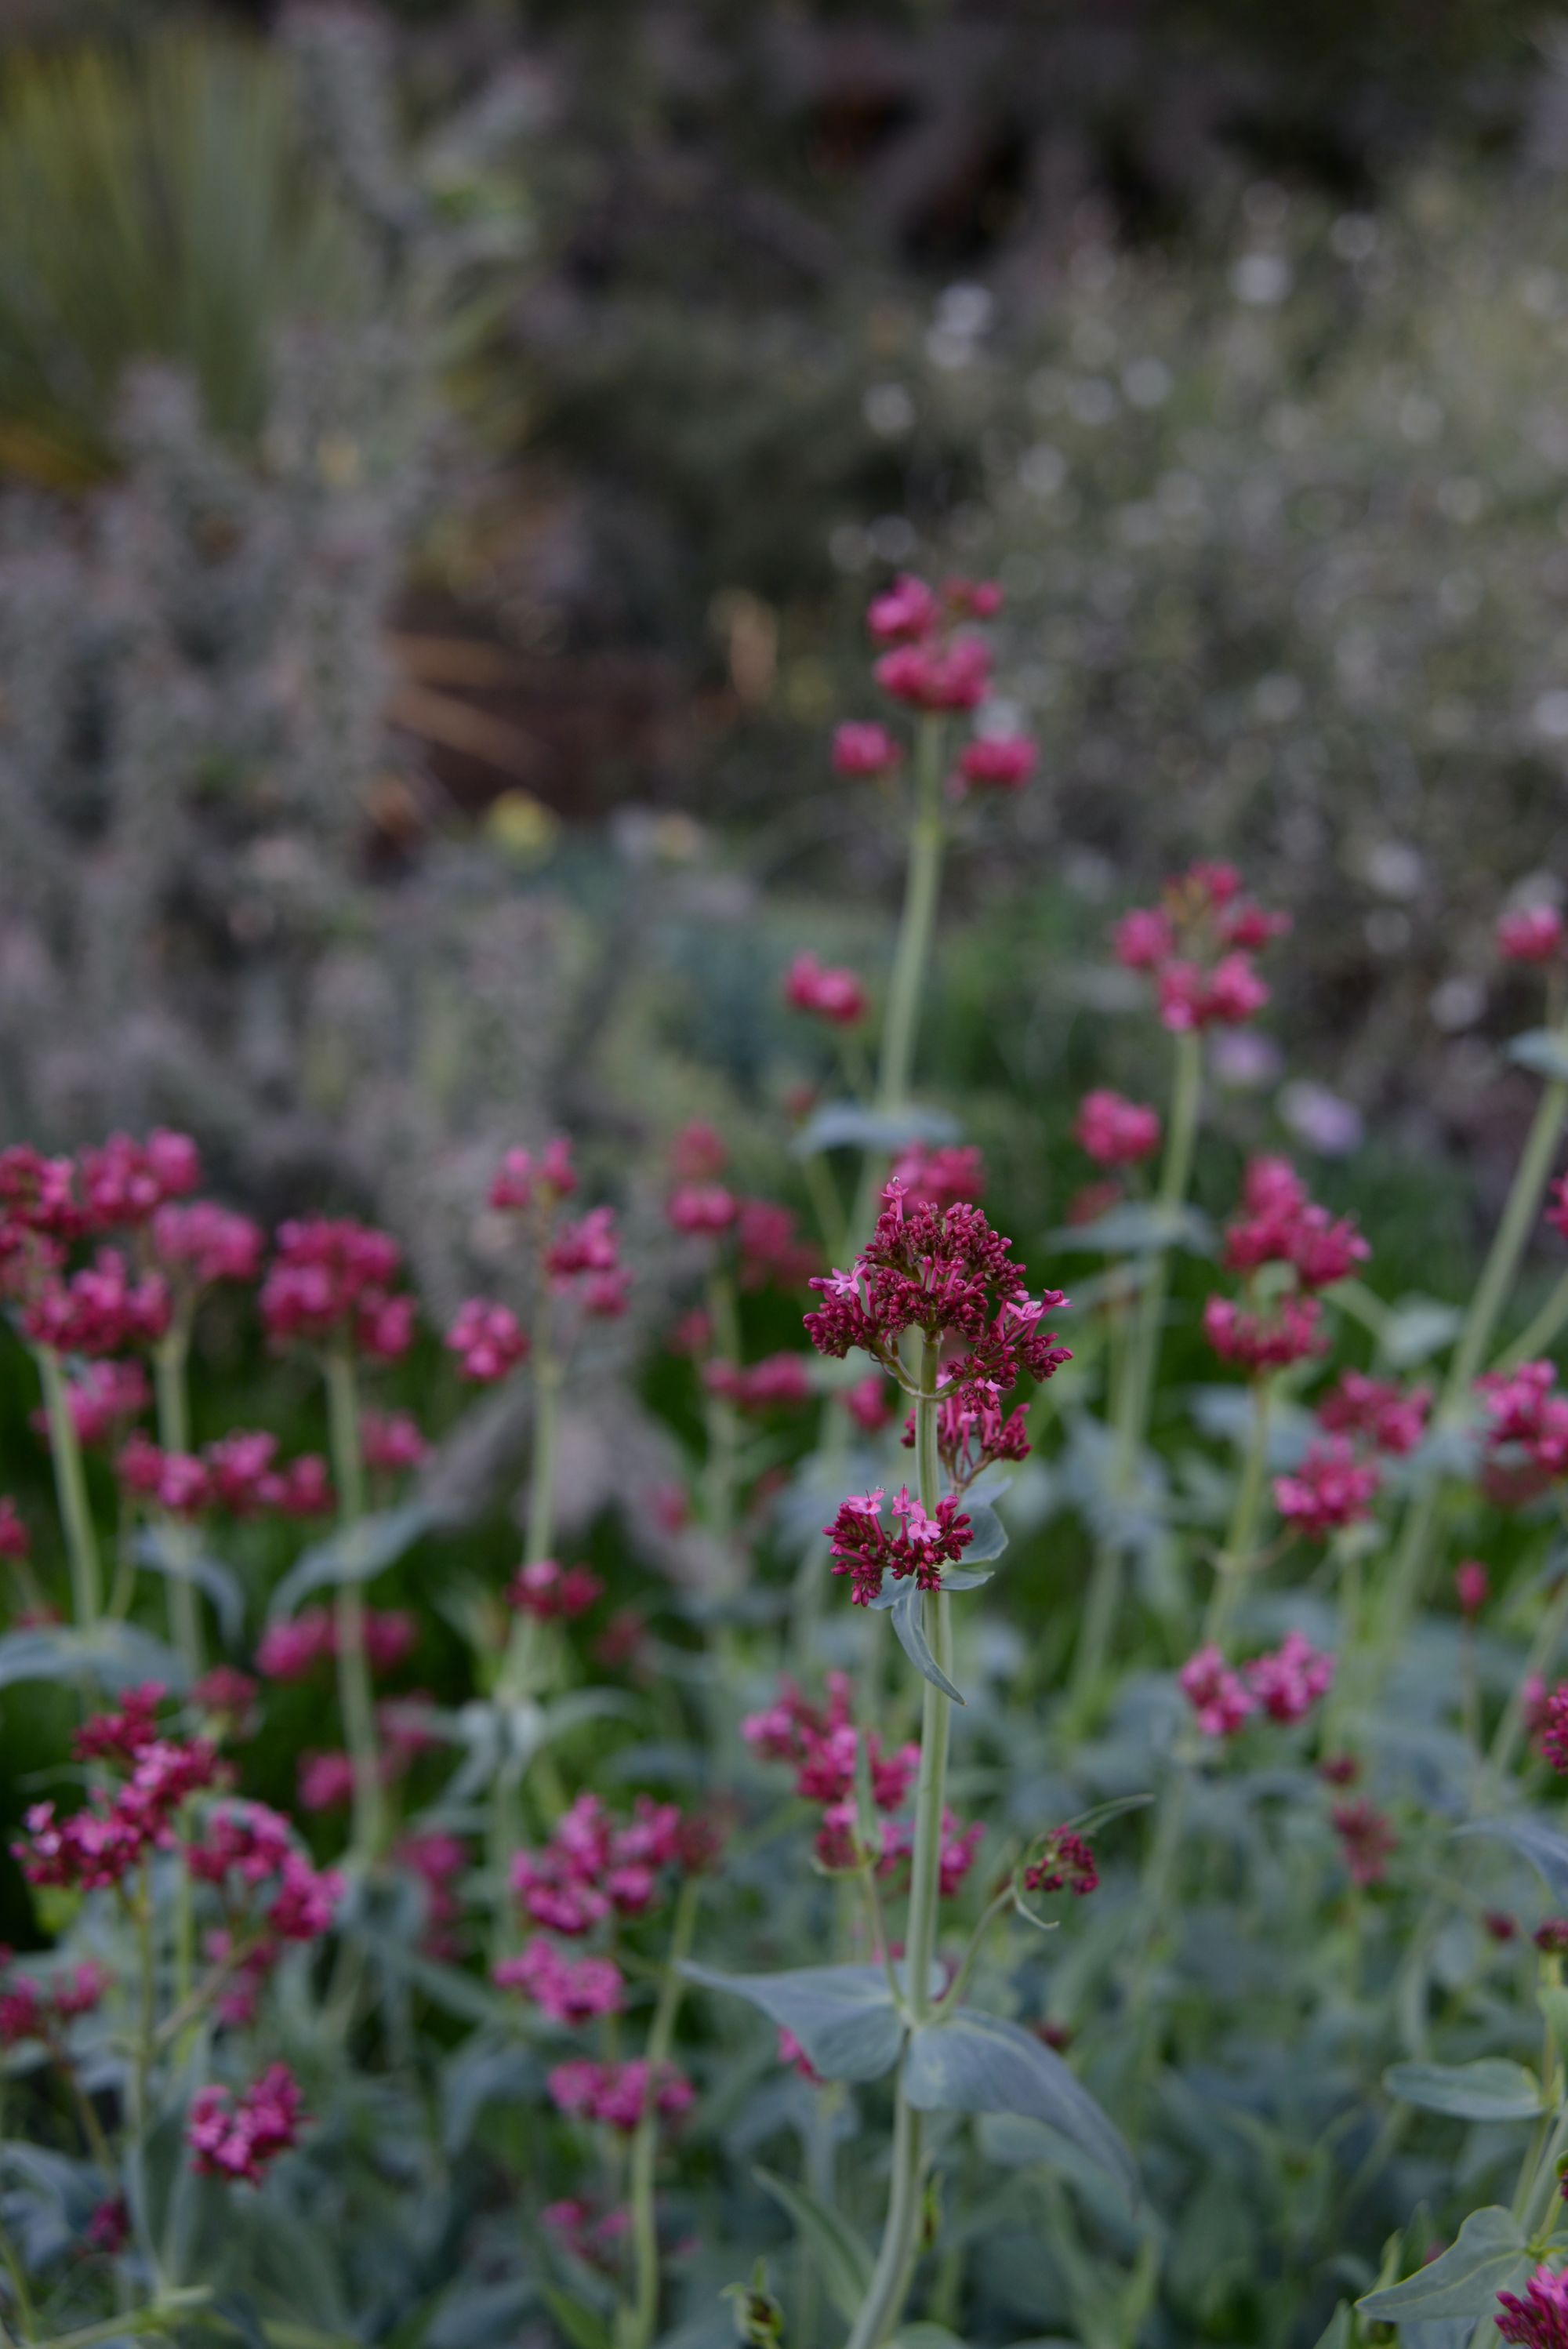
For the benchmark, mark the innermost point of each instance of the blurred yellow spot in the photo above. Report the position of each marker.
(521, 826)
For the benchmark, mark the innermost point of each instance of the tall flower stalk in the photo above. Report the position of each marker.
(356, 1697)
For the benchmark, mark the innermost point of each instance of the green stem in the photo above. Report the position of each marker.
(169, 1367)
(1231, 1566)
(1534, 1339)
(1135, 1387)
(889, 2281)
(355, 1699)
(71, 1490)
(642, 2317)
(923, 882)
(1492, 1293)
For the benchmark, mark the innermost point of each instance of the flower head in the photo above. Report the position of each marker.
(239, 2138)
(487, 1340)
(1216, 1695)
(834, 994)
(1330, 1490)
(1530, 933)
(864, 749)
(1114, 1130)
(998, 763)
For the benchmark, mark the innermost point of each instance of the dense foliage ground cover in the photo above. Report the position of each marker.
(1037, 1824)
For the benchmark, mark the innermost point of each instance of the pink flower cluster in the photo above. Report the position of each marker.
(821, 1743)
(1366, 1838)
(271, 1894)
(829, 992)
(916, 1548)
(1114, 1130)
(15, 1541)
(1285, 1684)
(570, 1989)
(103, 1397)
(331, 1283)
(98, 1846)
(944, 1272)
(592, 1866)
(768, 1248)
(239, 2138)
(551, 1593)
(970, 1433)
(1280, 1226)
(777, 1382)
(933, 664)
(201, 1243)
(41, 2011)
(391, 1441)
(1551, 1725)
(1331, 1489)
(523, 1181)
(125, 1182)
(1393, 1419)
(488, 1341)
(1539, 2321)
(290, 1651)
(940, 1175)
(1066, 1865)
(1527, 1419)
(619, 2094)
(236, 1475)
(1530, 933)
(1198, 944)
(99, 1310)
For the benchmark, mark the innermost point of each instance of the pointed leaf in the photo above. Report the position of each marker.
(840, 2257)
(843, 2016)
(990, 1535)
(1490, 2090)
(1542, 1051)
(115, 1656)
(170, 1551)
(1338, 2335)
(1488, 2257)
(908, 1613)
(1545, 1850)
(354, 1555)
(978, 2064)
(837, 1124)
(582, 2325)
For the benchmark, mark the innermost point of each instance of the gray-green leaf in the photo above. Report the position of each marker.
(1545, 1850)
(354, 1555)
(908, 1621)
(989, 1535)
(978, 2064)
(843, 2016)
(844, 1124)
(1542, 1051)
(1490, 2090)
(1488, 2257)
(840, 2255)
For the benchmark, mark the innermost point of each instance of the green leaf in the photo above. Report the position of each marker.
(1337, 2334)
(1138, 1229)
(843, 2016)
(840, 2257)
(989, 1538)
(582, 2325)
(978, 2064)
(844, 1124)
(1417, 1329)
(1545, 1850)
(354, 1555)
(115, 1655)
(908, 1614)
(170, 1551)
(1490, 2090)
(1489, 2256)
(1542, 1051)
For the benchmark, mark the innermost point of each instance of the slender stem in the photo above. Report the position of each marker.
(1491, 1292)
(162, 2316)
(643, 2316)
(923, 882)
(1538, 1334)
(889, 2285)
(355, 1699)
(71, 1490)
(1234, 1560)
(1134, 1388)
(169, 1367)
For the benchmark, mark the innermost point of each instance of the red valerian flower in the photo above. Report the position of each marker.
(1291, 1332)
(392, 1440)
(1530, 933)
(1472, 1587)
(1280, 1225)
(1330, 1490)
(1114, 1130)
(955, 1856)
(865, 750)
(1066, 1865)
(198, 1243)
(570, 1989)
(124, 1181)
(944, 1272)
(1198, 944)
(15, 1541)
(1394, 1418)
(829, 992)
(973, 1431)
(239, 2138)
(869, 1404)
(904, 613)
(702, 1208)
(1528, 1420)
(100, 1309)
(936, 677)
(1219, 1701)
(769, 1246)
(999, 763)
(487, 1340)
(1539, 2321)
(331, 1281)
(777, 1382)
(551, 1593)
(1366, 1839)
(940, 1176)
(522, 1180)
(619, 2094)
(917, 1546)
(1288, 1682)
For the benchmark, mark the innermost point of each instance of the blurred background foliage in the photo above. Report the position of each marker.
(444, 449)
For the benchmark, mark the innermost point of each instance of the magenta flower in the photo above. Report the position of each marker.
(778, 1382)
(904, 613)
(1217, 1697)
(488, 1339)
(1530, 933)
(1330, 1490)
(1472, 1587)
(239, 2138)
(1290, 1333)
(1114, 1130)
(522, 1179)
(1066, 1865)
(570, 1989)
(1366, 1839)
(1288, 1682)
(1539, 2321)
(551, 1593)
(865, 750)
(916, 1547)
(1393, 1418)
(940, 1176)
(999, 763)
(330, 1282)
(832, 993)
